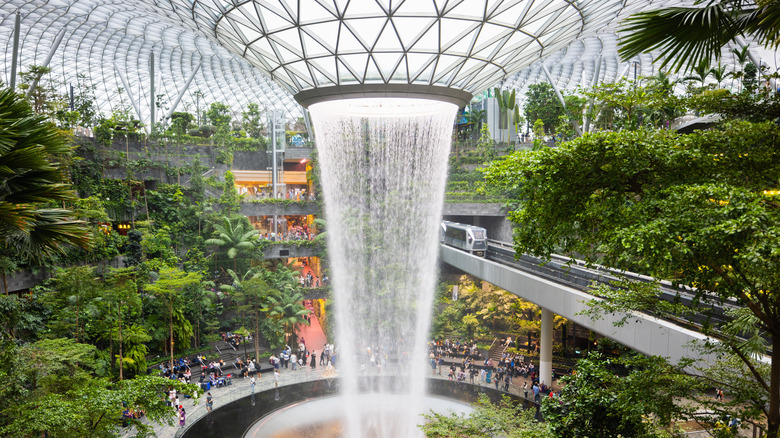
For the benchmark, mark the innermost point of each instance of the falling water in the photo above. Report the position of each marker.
(384, 165)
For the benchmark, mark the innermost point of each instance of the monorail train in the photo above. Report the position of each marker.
(465, 237)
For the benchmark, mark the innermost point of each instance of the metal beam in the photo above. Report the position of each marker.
(595, 81)
(54, 46)
(15, 54)
(307, 121)
(127, 90)
(183, 90)
(560, 98)
(151, 90)
(757, 62)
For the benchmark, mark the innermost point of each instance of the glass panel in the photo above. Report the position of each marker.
(363, 8)
(511, 15)
(313, 47)
(327, 32)
(388, 40)
(314, 12)
(271, 21)
(429, 42)
(418, 8)
(367, 28)
(348, 43)
(357, 62)
(467, 8)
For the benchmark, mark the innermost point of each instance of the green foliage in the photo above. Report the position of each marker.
(251, 120)
(541, 103)
(33, 184)
(687, 36)
(95, 409)
(230, 200)
(699, 209)
(168, 289)
(503, 419)
(234, 237)
(218, 115)
(485, 146)
(635, 397)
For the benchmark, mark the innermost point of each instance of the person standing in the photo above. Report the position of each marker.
(294, 360)
(182, 416)
(313, 360)
(525, 389)
(252, 384)
(276, 378)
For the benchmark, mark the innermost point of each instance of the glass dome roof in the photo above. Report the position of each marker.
(106, 41)
(465, 45)
(267, 51)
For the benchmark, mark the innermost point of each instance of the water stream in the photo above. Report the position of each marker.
(384, 165)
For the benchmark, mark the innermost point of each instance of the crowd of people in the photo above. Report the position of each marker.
(294, 233)
(484, 370)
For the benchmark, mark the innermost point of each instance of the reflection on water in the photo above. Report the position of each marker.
(324, 417)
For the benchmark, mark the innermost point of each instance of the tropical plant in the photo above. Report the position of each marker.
(698, 209)
(634, 397)
(503, 419)
(688, 36)
(286, 306)
(508, 110)
(234, 237)
(476, 117)
(31, 180)
(168, 288)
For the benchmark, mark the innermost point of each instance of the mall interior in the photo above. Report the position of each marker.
(176, 204)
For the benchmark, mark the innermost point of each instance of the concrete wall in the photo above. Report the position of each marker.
(263, 209)
(283, 251)
(22, 280)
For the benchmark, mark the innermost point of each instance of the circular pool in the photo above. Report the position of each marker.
(314, 409)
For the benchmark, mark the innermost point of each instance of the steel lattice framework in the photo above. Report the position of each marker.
(267, 51)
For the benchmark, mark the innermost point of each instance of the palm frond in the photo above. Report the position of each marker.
(684, 36)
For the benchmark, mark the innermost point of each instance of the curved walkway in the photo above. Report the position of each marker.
(241, 388)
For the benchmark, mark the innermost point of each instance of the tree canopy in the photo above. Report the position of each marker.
(701, 210)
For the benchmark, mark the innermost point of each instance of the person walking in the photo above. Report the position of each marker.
(252, 384)
(276, 378)
(294, 360)
(209, 402)
(182, 416)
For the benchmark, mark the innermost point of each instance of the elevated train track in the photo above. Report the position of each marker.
(576, 274)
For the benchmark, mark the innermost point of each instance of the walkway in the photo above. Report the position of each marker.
(313, 335)
(241, 388)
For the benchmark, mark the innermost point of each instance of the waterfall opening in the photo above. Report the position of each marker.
(384, 166)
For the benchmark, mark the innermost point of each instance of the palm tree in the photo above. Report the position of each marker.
(287, 307)
(234, 238)
(719, 73)
(702, 71)
(31, 176)
(477, 116)
(688, 35)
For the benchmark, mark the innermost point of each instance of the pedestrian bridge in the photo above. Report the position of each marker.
(644, 333)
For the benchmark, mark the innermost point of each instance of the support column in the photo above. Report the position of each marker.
(151, 89)
(15, 54)
(52, 51)
(181, 93)
(126, 84)
(596, 74)
(574, 120)
(545, 351)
